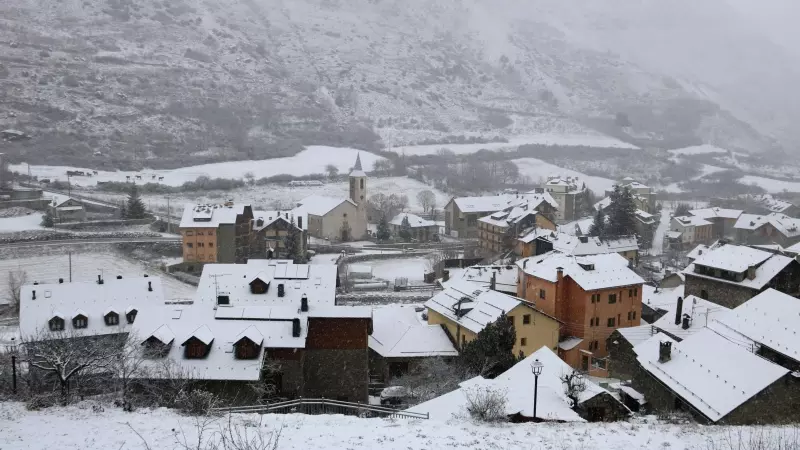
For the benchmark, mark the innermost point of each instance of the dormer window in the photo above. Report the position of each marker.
(159, 343)
(130, 315)
(111, 318)
(248, 344)
(56, 324)
(80, 320)
(199, 344)
(259, 286)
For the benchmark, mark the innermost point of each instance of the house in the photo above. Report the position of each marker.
(622, 362)
(422, 230)
(592, 295)
(687, 316)
(715, 379)
(693, 230)
(565, 191)
(723, 221)
(80, 309)
(729, 275)
(271, 234)
(402, 339)
(774, 205)
(499, 231)
(464, 309)
(643, 196)
(774, 228)
(462, 213)
(594, 404)
(541, 241)
(66, 209)
(215, 233)
(338, 218)
(495, 277)
(580, 227)
(267, 320)
(645, 223)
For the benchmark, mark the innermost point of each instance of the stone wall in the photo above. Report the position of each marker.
(622, 362)
(719, 292)
(777, 404)
(337, 374)
(602, 408)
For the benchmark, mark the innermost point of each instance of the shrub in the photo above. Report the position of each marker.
(486, 404)
(196, 403)
(42, 401)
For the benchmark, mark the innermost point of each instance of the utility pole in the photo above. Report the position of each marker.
(169, 219)
(70, 266)
(69, 187)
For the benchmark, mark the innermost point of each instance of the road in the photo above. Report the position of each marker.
(121, 240)
(661, 231)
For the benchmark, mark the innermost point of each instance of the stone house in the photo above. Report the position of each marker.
(499, 231)
(693, 230)
(723, 221)
(541, 241)
(774, 228)
(219, 233)
(67, 209)
(729, 275)
(462, 213)
(271, 230)
(464, 308)
(591, 295)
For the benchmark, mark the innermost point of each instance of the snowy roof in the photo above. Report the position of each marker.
(602, 204)
(664, 299)
(584, 245)
(788, 226)
(569, 343)
(210, 216)
(178, 323)
(644, 217)
(793, 249)
(505, 276)
(479, 305)
(591, 272)
(697, 251)
(701, 313)
(493, 203)
(633, 393)
(771, 318)
(764, 273)
(414, 220)
(317, 282)
(270, 217)
(92, 299)
(716, 213)
(636, 335)
(771, 203)
(736, 258)
(516, 384)
(710, 372)
(58, 199)
(674, 234)
(578, 227)
(319, 205)
(400, 332)
(69, 208)
(691, 221)
(508, 216)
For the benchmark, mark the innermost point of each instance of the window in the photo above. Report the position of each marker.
(541, 293)
(190, 233)
(594, 322)
(80, 321)
(523, 342)
(189, 245)
(511, 320)
(211, 232)
(199, 233)
(526, 319)
(612, 298)
(112, 318)
(631, 315)
(130, 316)
(595, 298)
(463, 340)
(611, 321)
(56, 324)
(246, 349)
(196, 349)
(200, 244)
(211, 244)
(344, 215)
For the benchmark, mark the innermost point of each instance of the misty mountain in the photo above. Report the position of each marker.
(176, 82)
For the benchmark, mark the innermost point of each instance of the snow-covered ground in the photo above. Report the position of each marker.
(770, 185)
(598, 140)
(661, 232)
(86, 267)
(412, 268)
(537, 170)
(22, 223)
(309, 161)
(698, 150)
(82, 427)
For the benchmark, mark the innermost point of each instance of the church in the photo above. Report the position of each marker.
(338, 219)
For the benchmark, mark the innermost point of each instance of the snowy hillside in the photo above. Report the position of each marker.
(183, 83)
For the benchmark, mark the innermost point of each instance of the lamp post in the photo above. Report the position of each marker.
(536, 368)
(12, 348)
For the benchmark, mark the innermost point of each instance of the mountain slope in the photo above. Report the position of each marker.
(169, 83)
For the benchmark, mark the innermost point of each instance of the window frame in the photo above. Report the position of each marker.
(111, 319)
(611, 322)
(526, 319)
(612, 298)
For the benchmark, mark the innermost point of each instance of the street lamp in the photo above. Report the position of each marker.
(536, 368)
(12, 348)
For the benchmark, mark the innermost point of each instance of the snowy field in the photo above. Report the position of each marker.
(537, 170)
(698, 150)
(412, 268)
(80, 427)
(22, 223)
(86, 267)
(770, 185)
(309, 161)
(598, 140)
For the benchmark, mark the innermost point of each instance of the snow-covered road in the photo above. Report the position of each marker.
(661, 231)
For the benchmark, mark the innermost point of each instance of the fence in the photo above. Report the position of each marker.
(314, 406)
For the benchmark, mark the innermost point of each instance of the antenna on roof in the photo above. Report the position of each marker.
(216, 282)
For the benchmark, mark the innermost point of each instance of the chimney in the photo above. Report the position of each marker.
(679, 311)
(493, 282)
(524, 264)
(34, 294)
(60, 281)
(560, 271)
(445, 275)
(99, 279)
(295, 327)
(584, 239)
(149, 286)
(304, 303)
(35, 283)
(119, 277)
(686, 321)
(751, 272)
(281, 291)
(664, 351)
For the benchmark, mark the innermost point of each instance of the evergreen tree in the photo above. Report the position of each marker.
(492, 351)
(135, 207)
(47, 219)
(405, 230)
(621, 213)
(682, 209)
(383, 229)
(290, 244)
(598, 228)
(123, 211)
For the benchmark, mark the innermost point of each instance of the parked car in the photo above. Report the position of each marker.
(394, 396)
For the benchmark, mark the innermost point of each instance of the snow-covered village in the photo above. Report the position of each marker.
(494, 224)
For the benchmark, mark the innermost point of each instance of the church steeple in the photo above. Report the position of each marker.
(358, 183)
(358, 162)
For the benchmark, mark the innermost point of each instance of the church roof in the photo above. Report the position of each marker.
(357, 170)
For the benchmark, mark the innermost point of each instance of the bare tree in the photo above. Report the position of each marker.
(127, 367)
(509, 172)
(16, 279)
(67, 355)
(251, 179)
(332, 170)
(426, 199)
(486, 403)
(388, 205)
(429, 379)
(574, 385)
